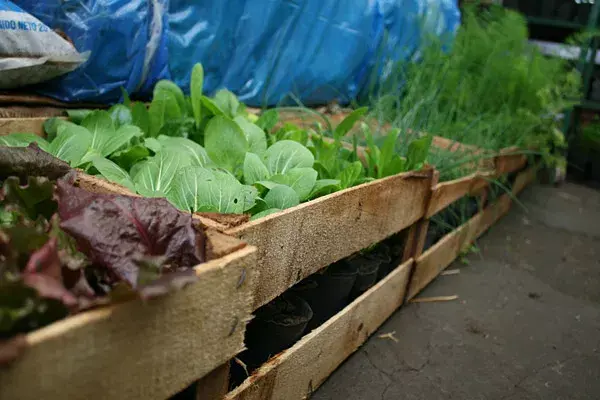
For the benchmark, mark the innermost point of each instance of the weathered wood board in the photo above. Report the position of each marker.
(22, 125)
(446, 193)
(432, 262)
(509, 160)
(524, 179)
(299, 241)
(301, 369)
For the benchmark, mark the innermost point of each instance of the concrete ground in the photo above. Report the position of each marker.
(526, 324)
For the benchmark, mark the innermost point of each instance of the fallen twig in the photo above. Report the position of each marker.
(451, 272)
(389, 335)
(434, 299)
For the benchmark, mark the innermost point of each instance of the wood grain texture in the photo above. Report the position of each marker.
(446, 193)
(140, 350)
(429, 265)
(297, 372)
(299, 241)
(524, 179)
(510, 159)
(33, 125)
(214, 385)
(12, 97)
(30, 112)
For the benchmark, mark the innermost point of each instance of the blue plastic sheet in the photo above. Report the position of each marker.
(127, 40)
(266, 51)
(274, 51)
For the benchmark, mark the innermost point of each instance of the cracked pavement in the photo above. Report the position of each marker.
(526, 324)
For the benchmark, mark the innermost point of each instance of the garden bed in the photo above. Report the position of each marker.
(330, 228)
(136, 349)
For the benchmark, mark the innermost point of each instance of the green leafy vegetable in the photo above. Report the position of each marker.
(257, 141)
(267, 120)
(282, 197)
(225, 143)
(348, 122)
(153, 176)
(77, 116)
(196, 84)
(71, 144)
(302, 180)
(227, 102)
(164, 107)
(197, 188)
(264, 213)
(23, 140)
(112, 172)
(285, 155)
(254, 169)
(140, 117)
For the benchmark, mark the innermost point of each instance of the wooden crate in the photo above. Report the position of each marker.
(432, 262)
(142, 350)
(298, 371)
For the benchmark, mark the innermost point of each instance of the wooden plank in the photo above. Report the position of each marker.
(31, 99)
(140, 350)
(524, 179)
(298, 371)
(446, 193)
(510, 159)
(19, 111)
(299, 241)
(429, 265)
(417, 233)
(214, 385)
(22, 125)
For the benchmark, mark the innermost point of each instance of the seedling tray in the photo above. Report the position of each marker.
(142, 350)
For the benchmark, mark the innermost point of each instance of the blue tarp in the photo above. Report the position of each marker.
(265, 51)
(126, 39)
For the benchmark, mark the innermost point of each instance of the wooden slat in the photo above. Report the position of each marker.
(140, 350)
(214, 385)
(446, 193)
(524, 179)
(299, 241)
(298, 371)
(22, 125)
(429, 265)
(510, 160)
(31, 99)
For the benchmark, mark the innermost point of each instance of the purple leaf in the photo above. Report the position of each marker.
(114, 231)
(43, 273)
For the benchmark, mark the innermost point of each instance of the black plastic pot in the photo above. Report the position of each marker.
(327, 292)
(472, 208)
(382, 254)
(275, 327)
(368, 267)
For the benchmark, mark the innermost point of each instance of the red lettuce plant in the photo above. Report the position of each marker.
(64, 249)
